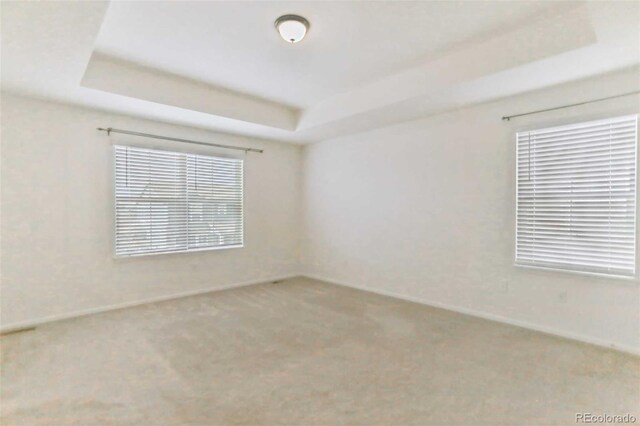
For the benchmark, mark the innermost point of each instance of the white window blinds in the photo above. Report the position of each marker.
(576, 197)
(172, 201)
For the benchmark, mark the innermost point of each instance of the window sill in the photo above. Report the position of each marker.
(130, 256)
(572, 272)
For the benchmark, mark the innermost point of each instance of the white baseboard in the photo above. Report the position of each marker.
(83, 312)
(488, 316)
(466, 311)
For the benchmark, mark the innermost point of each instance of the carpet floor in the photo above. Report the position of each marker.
(304, 352)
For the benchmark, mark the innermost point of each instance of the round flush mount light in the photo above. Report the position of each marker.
(292, 28)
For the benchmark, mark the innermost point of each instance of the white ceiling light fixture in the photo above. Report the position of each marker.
(292, 28)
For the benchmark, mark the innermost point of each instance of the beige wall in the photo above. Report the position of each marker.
(426, 209)
(57, 216)
(422, 210)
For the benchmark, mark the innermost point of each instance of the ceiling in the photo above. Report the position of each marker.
(222, 66)
(234, 44)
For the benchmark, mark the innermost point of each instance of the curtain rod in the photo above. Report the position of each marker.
(509, 117)
(110, 130)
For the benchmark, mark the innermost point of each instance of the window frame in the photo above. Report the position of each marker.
(575, 271)
(124, 257)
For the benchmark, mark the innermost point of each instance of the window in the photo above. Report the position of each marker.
(576, 197)
(171, 202)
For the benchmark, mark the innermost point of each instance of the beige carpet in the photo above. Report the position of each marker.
(304, 352)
